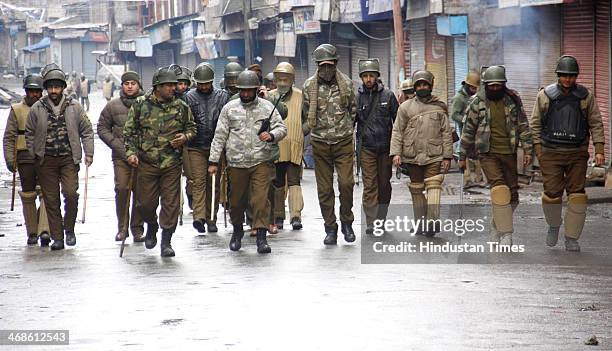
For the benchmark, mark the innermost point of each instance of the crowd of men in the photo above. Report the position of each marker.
(242, 146)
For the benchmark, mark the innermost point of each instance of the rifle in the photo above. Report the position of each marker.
(358, 156)
(265, 125)
(127, 211)
(85, 195)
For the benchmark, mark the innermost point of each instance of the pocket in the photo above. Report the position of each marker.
(434, 148)
(409, 150)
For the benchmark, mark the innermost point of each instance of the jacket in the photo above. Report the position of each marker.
(111, 122)
(375, 134)
(205, 109)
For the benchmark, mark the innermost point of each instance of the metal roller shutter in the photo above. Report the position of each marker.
(416, 29)
(300, 62)
(460, 60)
(579, 37)
(435, 57)
(359, 51)
(311, 45)
(163, 57)
(344, 55)
(381, 48)
(219, 66)
(89, 59)
(450, 68)
(550, 44)
(602, 66)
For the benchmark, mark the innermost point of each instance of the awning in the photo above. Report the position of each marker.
(523, 3)
(69, 33)
(43, 44)
(451, 25)
(143, 47)
(96, 37)
(127, 45)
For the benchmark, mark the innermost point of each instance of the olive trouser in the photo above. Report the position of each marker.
(563, 171)
(326, 157)
(122, 178)
(290, 174)
(501, 169)
(376, 169)
(201, 186)
(418, 173)
(155, 184)
(55, 171)
(250, 187)
(35, 219)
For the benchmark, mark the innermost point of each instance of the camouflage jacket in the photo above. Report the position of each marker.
(335, 114)
(237, 130)
(151, 126)
(458, 105)
(421, 133)
(477, 124)
(280, 107)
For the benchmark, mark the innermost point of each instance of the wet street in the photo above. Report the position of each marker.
(303, 296)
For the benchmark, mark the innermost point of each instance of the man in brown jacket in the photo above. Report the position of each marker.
(56, 128)
(422, 139)
(110, 130)
(563, 118)
(18, 159)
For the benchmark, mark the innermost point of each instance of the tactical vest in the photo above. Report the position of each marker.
(21, 111)
(565, 122)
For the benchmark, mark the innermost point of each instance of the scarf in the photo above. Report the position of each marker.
(313, 94)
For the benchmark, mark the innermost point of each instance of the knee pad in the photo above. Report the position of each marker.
(500, 195)
(552, 207)
(434, 182)
(575, 214)
(416, 188)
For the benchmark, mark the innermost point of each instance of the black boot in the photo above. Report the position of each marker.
(45, 239)
(190, 201)
(198, 224)
(212, 227)
(166, 247)
(151, 237)
(369, 229)
(296, 223)
(32, 239)
(279, 223)
(235, 241)
(347, 230)
(57, 245)
(332, 236)
(262, 242)
(70, 238)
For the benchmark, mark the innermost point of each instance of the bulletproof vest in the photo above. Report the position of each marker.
(21, 111)
(565, 123)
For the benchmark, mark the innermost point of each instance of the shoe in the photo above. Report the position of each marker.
(120, 236)
(253, 233)
(32, 239)
(166, 246)
(272, 229)
(505, 239)
(552, 237)
(235, 241)
(347, 230)
(151, 237)
(212, 227)
(45, 239)
(296, 223)
(369, 229)
(331, 237)
(198, 224)
(57, 245)
(70, 238)
(571, 244)
(279, 223)
(138, 237)
(262, 242)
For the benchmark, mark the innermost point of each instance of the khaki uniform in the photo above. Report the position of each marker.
(457, 113)
(289, 164)
(422, 137)
(564, 167)
(328, 114)
(84, 85)
(15, 145)
(54, 134)
(110, 130)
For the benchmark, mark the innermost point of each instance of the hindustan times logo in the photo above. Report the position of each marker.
(410, 225)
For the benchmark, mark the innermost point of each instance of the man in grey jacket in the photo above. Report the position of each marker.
(110, 130)
(56, 128)
(251, 149)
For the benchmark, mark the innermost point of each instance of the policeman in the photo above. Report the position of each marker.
(18, 159)
(564, 117)
(269, 81)
(250, 149)
(407, 90)
(422, 140)
(158, 126)
(459, 103)
(206, 103)
(184, 83)
(376, 114)
(328, 114)
(289, 165)
(57, 126)
(230, 75)
(494, 124)
(84, 88)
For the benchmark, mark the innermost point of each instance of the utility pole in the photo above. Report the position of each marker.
(246, 12)
(399, 40)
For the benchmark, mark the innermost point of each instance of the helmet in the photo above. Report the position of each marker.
(247, 80)
(285, 67)
(407, 85)
(74, 73)
(232, 69)
(369, 65)
(203, 73)
(269, 77)
(494, 74)
(33, 81)
(167, 75)
(567, 65)
(53, 72)
(184, 75)
(222, 83)
(325, 52)
(420, 76)
(472, 79)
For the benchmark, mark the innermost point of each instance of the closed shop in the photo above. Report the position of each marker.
(359, 51)
(381, 48)
(416, 32)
